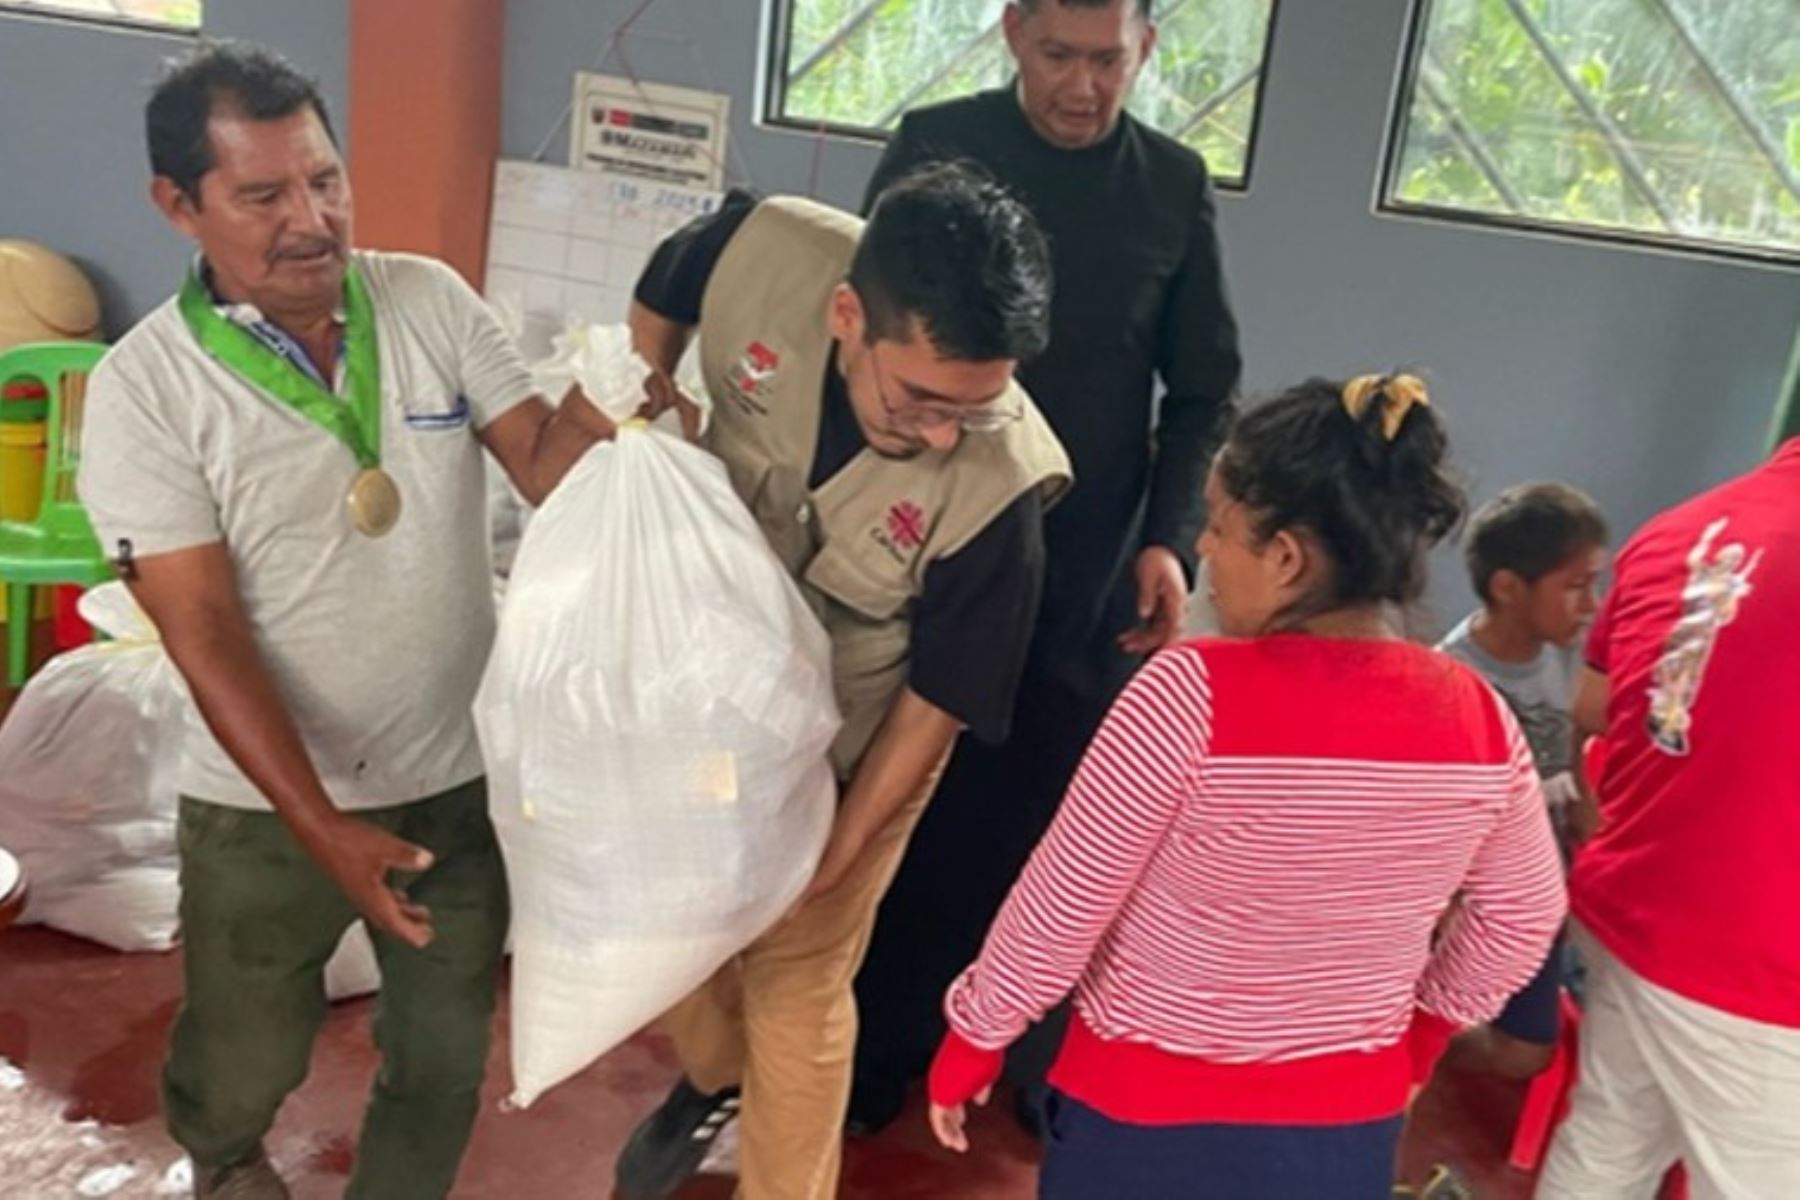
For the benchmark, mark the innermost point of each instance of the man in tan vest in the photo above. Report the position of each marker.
(865, 407)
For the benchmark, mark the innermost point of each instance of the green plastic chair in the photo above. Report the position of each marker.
(58, 545)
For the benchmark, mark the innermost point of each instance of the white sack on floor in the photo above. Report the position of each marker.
(88, 762)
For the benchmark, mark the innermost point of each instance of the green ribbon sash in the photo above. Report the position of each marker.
(356, 420)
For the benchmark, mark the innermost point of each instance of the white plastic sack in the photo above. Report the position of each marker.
(598, 356)
(352, 970)
(654, 718)
(598, 359)
(88, 759)
(129, 908)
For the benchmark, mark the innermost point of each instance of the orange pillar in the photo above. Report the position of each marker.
(425, 125)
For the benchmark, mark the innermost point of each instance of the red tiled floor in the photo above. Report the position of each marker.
(87, 1025)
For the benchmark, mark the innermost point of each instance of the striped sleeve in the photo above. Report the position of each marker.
(1136, 774)
(1513, 901)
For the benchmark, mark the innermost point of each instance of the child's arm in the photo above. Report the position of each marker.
(1592, 695)
(1131, 783)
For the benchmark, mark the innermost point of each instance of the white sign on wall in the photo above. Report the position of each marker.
(650, 130)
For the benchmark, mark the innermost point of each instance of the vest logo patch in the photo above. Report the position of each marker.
(903, 531)
(752, 377)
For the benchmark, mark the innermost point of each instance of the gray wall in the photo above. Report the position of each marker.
(1638, 375)
(1641, 376)
(72, 134)
(714, 44)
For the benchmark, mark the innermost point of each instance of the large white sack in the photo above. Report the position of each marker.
(88, 762)
(599, 358)
(654, 719)
(130, 908)
(352, 969)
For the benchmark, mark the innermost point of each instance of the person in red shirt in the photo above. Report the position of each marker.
(1242, 884)
(1687, 899)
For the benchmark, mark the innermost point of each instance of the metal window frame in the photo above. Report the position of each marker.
(1387, 201)
(778, 62)
(44, 10)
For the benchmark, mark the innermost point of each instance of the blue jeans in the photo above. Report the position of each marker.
(1093, 1157)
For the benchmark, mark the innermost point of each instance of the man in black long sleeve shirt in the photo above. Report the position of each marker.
(1139, 299)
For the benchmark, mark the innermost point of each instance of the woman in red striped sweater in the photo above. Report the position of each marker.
(1243, 882)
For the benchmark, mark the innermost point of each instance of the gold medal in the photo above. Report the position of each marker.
(374, 502)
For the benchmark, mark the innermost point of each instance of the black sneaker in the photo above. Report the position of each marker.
(671, 1143)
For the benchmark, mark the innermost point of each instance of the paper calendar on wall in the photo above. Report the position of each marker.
(568, 244)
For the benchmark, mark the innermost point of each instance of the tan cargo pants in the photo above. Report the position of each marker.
(779, 1021)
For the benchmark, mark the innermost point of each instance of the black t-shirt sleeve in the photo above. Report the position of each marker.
(674, 280)
(973, 622)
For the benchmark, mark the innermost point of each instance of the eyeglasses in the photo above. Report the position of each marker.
(994, 415)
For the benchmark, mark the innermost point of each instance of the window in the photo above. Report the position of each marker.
(857, 66)
(180, 15)
(1671, 121)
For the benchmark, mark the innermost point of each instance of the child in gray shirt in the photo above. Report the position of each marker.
(1534, 555)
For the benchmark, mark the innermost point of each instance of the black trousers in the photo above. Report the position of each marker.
(1092, 1157)
(991, 807)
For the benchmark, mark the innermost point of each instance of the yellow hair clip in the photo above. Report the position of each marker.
(1401, 392)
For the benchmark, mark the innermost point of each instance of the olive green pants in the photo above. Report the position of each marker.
(259, 921)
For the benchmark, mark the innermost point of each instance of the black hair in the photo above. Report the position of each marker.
(1375, 502)
(1143, 6)
(235, 76)
(1530, 530)
(949, 247)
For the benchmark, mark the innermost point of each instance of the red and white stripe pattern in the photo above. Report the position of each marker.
(1259, 843)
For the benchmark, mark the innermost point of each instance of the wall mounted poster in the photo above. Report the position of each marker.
(650, 130)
